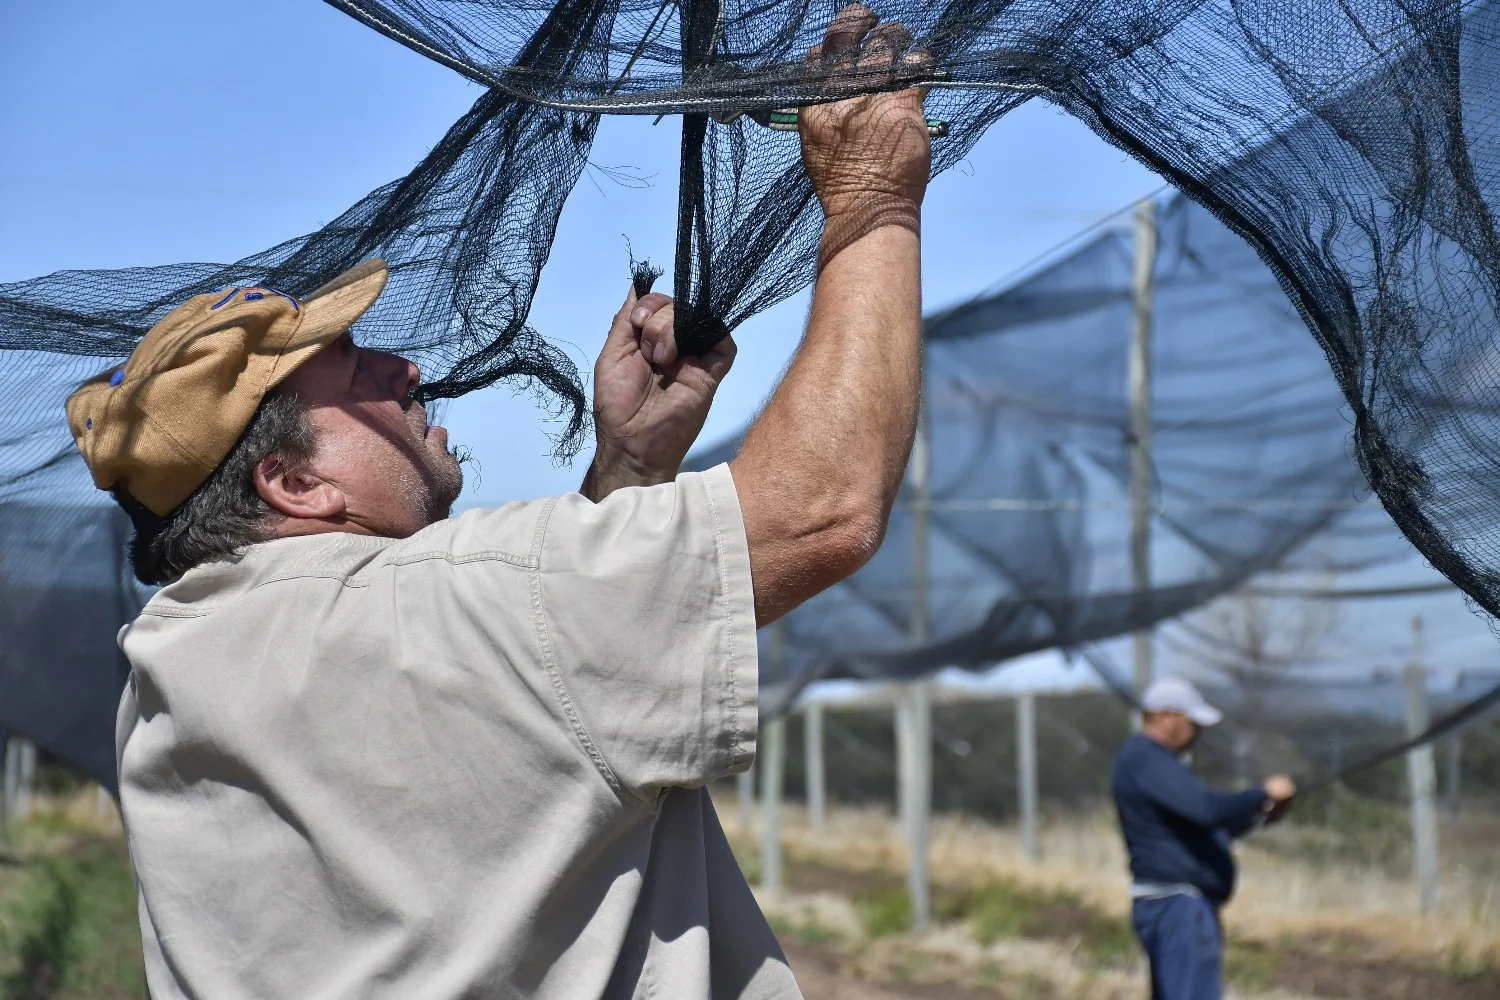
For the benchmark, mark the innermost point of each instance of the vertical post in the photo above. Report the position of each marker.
(1453, 771)
(28, 779)
(817, 787)
(772, 768)
(1421, 773)
(914, 748)
(1335, 765)
(914, 709)
(1142, 291)
(1242, 761)
(12, 777)
(5, 813)
(745, 785)
(1026, 772)
(1455, 762)
(772, 771)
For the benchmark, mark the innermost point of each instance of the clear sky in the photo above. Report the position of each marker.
(161, 131)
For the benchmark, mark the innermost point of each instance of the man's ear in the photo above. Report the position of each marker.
(295, 492)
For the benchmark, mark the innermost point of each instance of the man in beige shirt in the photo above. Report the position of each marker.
(368, 750)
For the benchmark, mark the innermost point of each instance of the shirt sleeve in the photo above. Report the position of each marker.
(1180, 791)
(647, 614)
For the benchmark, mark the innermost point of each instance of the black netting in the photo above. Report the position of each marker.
(466, 234)
(1351, 146)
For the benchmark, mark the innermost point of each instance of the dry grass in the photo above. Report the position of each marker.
(1296, 885)
(1280, 892)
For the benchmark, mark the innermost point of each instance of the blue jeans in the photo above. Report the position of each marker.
(1182, 939)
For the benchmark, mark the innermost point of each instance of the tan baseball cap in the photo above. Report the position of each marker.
(161, 423)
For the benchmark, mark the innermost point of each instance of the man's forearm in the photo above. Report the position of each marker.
(1174, 787)
(827, 456)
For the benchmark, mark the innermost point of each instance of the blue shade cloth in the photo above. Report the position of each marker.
(1028, 421)
(64, 593)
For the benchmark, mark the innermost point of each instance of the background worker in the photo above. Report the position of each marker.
(1178, 832)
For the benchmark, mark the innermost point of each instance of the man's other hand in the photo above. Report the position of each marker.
(869, 157)
(1281, 790)
(649, 404)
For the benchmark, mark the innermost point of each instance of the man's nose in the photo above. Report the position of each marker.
(413, 375)
(403, 373)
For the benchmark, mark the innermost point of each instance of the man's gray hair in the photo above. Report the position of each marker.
(226, 513)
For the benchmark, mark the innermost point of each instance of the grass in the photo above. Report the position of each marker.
(883, 910)
(1248, 965)
(68, 923)
(999, 909)
(804, 928)
(1003, 908)
(1462, 965)
(1327, 899)
(1294, 879)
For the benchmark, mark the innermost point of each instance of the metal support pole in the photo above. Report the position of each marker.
(1454, 770)
(28, 779)
(817, 781)
(1455, 762)
(772, 771)
(914, 748)
(1335, 765)
(914, 710)
(1421, 773)
(12, 777)
(745, 784)
(1142, 291)
(1026, 772)
(5, 813)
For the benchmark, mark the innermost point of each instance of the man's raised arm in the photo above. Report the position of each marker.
(819, 470)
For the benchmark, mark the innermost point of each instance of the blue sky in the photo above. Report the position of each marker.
(162, 131)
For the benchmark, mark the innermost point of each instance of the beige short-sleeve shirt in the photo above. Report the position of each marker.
(468, 763)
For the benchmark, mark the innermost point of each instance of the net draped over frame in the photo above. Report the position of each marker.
(1351, 146)
(1028, 429)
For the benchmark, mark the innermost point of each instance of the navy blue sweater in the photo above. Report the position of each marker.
(1176, 828)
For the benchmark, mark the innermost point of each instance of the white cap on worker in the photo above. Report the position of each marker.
(1173, 694)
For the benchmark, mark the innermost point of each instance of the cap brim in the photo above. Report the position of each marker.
(330, 310)
(1206, 715)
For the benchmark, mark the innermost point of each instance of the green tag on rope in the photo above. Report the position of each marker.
(785, 120)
